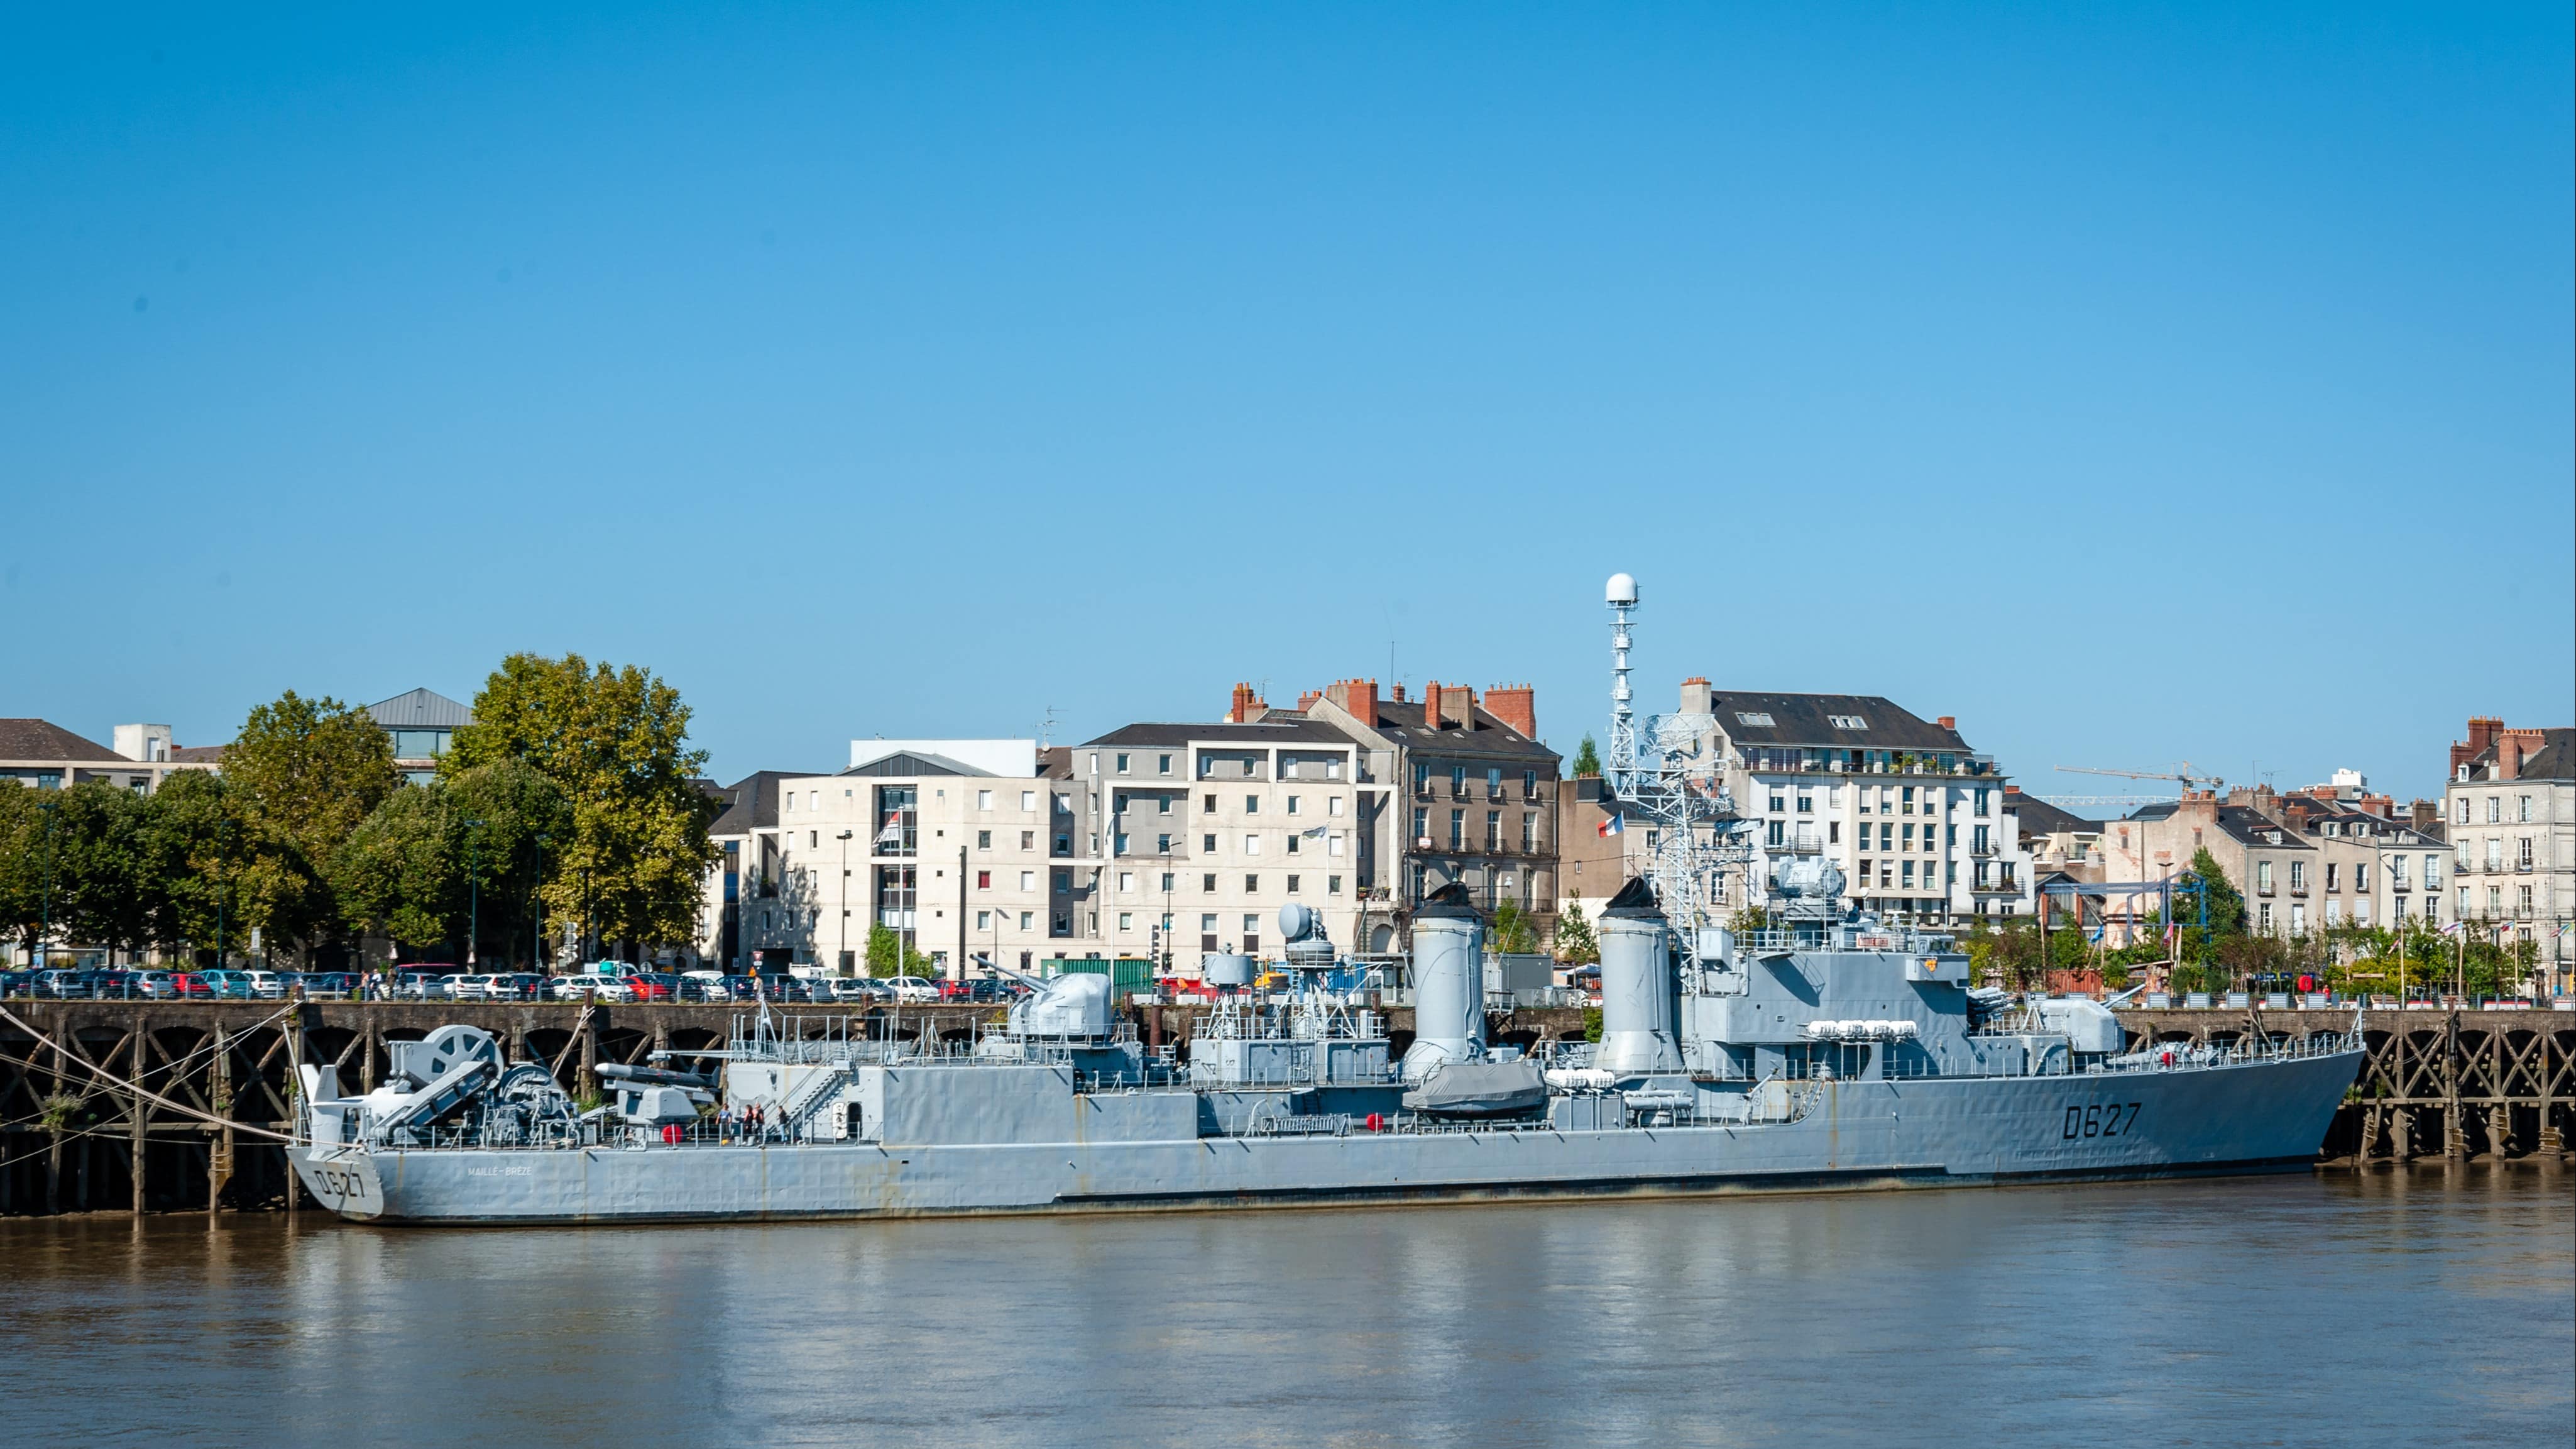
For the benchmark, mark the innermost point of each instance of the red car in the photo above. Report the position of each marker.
(652, 986)
(184, 984)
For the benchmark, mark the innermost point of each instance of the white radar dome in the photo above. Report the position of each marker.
(1623, 589)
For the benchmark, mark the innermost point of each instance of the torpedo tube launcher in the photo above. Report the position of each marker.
(1830, 1050)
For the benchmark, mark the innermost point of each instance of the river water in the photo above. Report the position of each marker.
(2332, 1309)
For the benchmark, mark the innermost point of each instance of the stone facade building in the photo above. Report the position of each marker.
(2510, 808)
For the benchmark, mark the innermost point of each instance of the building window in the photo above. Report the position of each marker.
(1162, 804)
(1909, 875)
(1207, 882)
(1493, 830)
(983, 880)
(1908, 807)
(983, 799)
(1028, 840)
(1833, 832)
(1162, 764)
(1457, 830)
(1126, 920)
(2361, 875)
(1422, 826)
(2397, 872)
(2522, 858)
(2332, 870)
(1251, 804)
(1295, 804)
(2522, 900)
(1529, 831)
(1909, 837)
(1806, 804)
(1122, 769)
(1162, 845)
(1028, 922)
(1126, 882)
(1292, 885)
(1778, 804)
(2263, 876)
(983, 920)
(983, 840)
(2522, 809)
(1252, 845)
(1332, 885)
(2298, 875)
(2460, 811)
(1207, 845)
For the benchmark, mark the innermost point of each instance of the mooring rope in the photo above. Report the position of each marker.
(136, 1088)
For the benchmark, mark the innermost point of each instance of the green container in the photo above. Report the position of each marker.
(1128, 975)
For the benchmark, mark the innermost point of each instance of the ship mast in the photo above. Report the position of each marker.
(1664, 779)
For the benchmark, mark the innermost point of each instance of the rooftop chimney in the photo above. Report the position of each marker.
(2482, 732)
(1431, 705)
(2198, 806)
(1306, 701)
(1246, 705)
(2515, 746)
(1697, 697)
(1516, 705)
(1948, 722)
(1399, 691)
(1458, 706)
(1358, 696)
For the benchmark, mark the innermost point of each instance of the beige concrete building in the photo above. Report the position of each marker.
(46, 756)
(2510, 809)
(2305, 863)
(972, 850)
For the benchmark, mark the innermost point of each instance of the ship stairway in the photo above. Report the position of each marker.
(807, 1099)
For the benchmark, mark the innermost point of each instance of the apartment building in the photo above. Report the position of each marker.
(44, 755)
(1459, 789)
(2304, 863)
(971, 850)
(1206, 830)
(1911, 814)
(2510, 810)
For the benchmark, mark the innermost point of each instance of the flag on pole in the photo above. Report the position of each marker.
(1614, 825)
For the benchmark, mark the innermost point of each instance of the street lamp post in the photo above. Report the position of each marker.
(473, 892)
(841, 953)
(537, 911)
(45, 928)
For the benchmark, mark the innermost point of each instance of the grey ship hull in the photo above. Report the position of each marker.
(1937, 1132)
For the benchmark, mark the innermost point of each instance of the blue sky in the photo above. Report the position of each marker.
(2137, 385)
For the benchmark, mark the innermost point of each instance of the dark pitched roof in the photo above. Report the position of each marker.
(1808, 719)
(36, 739)
(2555, 761)
(751, 803)
(1290, 731)
(420, 709)
(1484, 735)
(199, 755)
(2038, 817)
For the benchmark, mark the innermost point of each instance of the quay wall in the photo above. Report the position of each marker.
(74, 1137)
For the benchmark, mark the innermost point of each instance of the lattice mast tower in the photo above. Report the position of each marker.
(1666, 780)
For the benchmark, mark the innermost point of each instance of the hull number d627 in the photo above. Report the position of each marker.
(2102, 1119)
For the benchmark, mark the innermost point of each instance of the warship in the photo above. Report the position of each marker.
(1829, 1049)
(1830, 1052)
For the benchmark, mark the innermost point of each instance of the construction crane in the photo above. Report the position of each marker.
(2181, 773)
(2068, 800)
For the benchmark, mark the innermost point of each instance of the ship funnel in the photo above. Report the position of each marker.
(1448, 982)
(1639, 1002)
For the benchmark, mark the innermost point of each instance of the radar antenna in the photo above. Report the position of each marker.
(1663, 779)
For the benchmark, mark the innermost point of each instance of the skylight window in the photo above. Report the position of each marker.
(1847, 721)
(1757, 719)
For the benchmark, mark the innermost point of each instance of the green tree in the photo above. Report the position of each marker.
(1587, 760)
(27, 861)
(190, 836)
(402, 871)
(1511, 932)
(1575, 945)
(103, 895)
(437, 861)
(302, 775)
(889, 956)
(615, 743)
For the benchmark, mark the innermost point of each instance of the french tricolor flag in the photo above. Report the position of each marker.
(1614, 825)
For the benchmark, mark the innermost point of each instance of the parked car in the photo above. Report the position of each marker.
(593, 987)
(264, 985)
(860, 989)
(914, 988)
(415, 983)
(323, 984)
(17, 983)
(154, 985)
(654, 986)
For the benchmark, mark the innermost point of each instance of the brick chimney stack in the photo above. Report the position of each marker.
(1516, 705)
(1949, 722)
(2198, 806)
(1431, 705)
(1359, 696)
(1399, 691)
(1306, 701)
(1246, 705)
(2515, 746)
